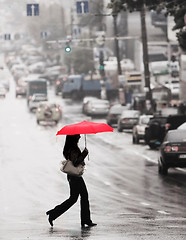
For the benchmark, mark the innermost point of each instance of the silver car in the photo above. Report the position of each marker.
(138, 131)
(49, 112)
(128, 119)
(97, 107)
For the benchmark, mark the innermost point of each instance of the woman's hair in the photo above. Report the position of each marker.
(71, 142)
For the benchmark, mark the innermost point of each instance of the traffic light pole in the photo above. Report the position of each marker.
(116, 44)
(145, 55)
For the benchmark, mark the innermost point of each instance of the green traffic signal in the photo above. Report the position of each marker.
(101, 67)
(67, 49)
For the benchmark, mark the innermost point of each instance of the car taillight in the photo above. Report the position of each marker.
(171, 149)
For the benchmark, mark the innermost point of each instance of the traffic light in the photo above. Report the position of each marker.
(67, 49)
(101, 64)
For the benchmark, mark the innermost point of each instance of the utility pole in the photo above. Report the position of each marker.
(145, 55)
(116, 43)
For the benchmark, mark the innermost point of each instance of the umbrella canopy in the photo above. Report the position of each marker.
(84, 127)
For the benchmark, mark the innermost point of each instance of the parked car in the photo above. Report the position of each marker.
(85, 103)
(182, 126)
(97, 107)
(48, 111)
(2, 92)
(36, 99)
(138, 131)
(128, 119)
(114, 113)
(172, 151)
(6, 84)
(158, 126)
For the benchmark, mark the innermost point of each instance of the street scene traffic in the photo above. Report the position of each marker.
(109, 75)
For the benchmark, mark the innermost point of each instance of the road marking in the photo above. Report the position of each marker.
(163, 212)
(144, 203)
(124, 193)
(107, 183)
(155, 161)
(147, 158)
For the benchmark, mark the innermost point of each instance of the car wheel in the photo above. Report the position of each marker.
(38, 121)
(119, 128)
(135, 138)
(162, 169)
(152, 146)
(74, 95)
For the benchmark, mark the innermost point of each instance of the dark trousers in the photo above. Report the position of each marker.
(77, 187)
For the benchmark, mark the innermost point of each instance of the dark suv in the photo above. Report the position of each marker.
(158, 127)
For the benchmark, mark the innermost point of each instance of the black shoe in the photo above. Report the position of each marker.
(50, 218)
(89, 224)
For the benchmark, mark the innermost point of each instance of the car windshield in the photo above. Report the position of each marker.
(53, 105)
(145, 120)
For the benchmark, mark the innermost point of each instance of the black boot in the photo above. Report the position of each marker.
(50, 219)
(89, 224)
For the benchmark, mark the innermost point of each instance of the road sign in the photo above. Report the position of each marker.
(33, 9)
(7, 36)
(82, 7)
(43, 35)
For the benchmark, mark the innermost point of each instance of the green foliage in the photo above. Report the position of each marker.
(132, 5)
(96, 7)
(176, 8)
(181, 35)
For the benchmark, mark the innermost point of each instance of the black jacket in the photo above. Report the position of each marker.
(76, 156)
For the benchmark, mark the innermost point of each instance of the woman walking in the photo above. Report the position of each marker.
(77, 185)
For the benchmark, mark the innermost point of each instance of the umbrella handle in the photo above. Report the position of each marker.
(86, 144)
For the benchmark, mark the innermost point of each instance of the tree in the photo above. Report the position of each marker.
(177, 8)
(80, 59)
(96, 8)
(137, 5)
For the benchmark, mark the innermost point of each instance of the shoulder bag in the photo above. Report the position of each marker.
(68, 168)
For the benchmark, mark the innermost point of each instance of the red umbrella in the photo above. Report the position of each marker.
(84, 128)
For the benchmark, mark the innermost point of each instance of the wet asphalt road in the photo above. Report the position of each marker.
(128, 199)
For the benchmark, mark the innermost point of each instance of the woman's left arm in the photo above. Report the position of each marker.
(77, 157)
